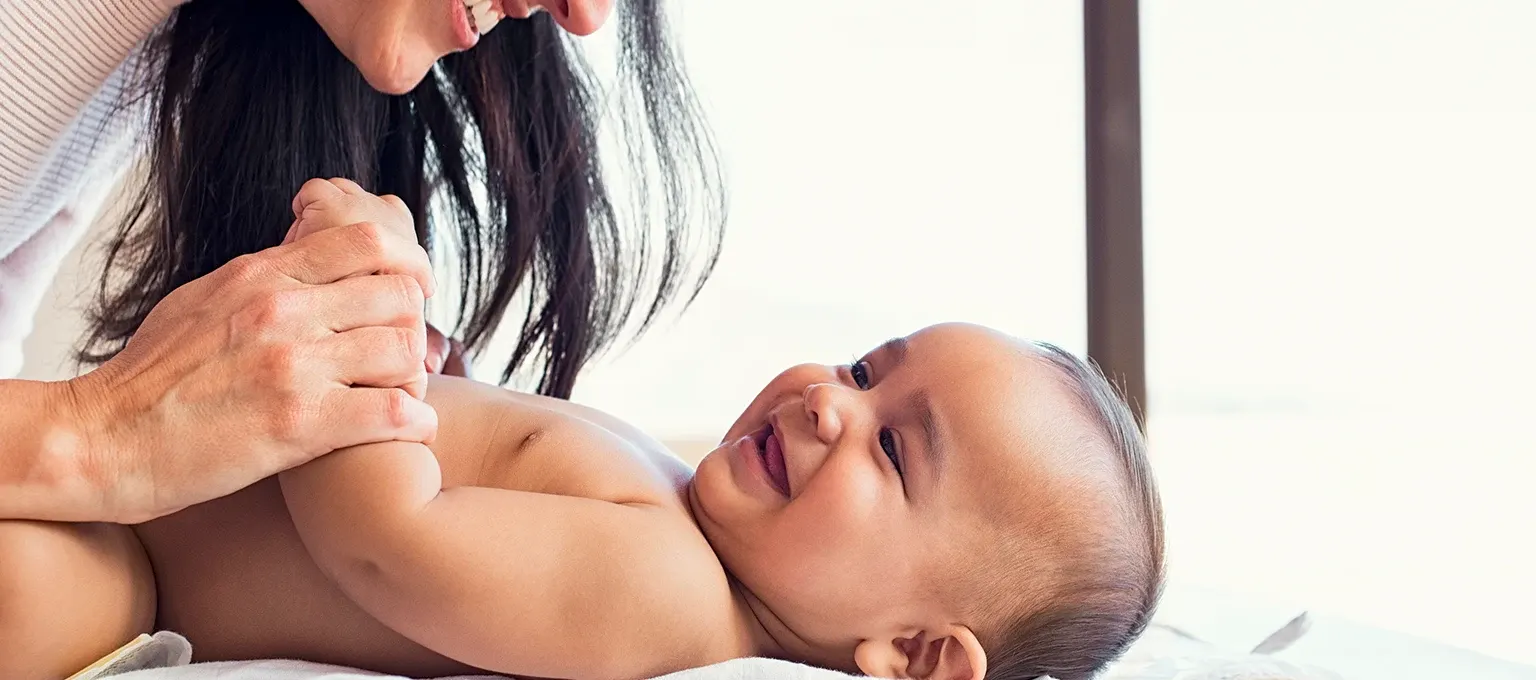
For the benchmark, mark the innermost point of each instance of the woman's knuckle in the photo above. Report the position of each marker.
(278, 308)
(245, 267)
(396, 203)
(287, 411)
(278, 369)
(372, 238)
(283, 305)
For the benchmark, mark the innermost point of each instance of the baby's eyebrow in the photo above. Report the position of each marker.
(896, 347)
(922, 404)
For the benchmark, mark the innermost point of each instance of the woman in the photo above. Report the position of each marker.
(248, 99)
(282, 350)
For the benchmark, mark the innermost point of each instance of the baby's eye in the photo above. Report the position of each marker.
(860, 372)
(888, 445)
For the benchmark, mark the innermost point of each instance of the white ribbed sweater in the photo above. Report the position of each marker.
(61, 73)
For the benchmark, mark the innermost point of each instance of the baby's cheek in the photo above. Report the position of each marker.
(861, 503)
(841, 509)
(835, 547)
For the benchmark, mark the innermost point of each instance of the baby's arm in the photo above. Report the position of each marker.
(509, 581)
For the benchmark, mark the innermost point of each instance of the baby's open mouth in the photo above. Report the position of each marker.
(771, 450)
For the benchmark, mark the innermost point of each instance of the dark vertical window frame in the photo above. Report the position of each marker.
(1112, 111)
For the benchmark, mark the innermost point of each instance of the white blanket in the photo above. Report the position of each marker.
(738, 669)
(1164, 653)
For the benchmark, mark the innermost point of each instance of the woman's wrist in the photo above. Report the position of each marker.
(48, 470)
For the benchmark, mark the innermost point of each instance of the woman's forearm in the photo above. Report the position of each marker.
(45, 468)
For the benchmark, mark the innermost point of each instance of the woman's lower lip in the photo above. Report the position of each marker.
(464, 35)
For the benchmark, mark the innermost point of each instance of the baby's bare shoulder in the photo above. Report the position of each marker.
(498, 438)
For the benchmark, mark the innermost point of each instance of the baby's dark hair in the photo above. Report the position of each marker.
(1104, 594)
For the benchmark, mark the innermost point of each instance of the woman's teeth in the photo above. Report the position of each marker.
(482, 17)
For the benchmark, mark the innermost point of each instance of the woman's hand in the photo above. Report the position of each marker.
(327, 207)
(268, 362)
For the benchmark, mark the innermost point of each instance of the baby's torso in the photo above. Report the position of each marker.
(233, 576)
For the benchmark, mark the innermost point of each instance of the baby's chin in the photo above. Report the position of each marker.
(702, 471)
(711, 486)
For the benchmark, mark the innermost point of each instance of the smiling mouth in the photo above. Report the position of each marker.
(482, 15)
(771, 450)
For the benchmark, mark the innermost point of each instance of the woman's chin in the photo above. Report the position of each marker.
(398, 78)
(397, 66)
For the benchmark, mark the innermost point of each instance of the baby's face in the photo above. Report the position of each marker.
(845, 496)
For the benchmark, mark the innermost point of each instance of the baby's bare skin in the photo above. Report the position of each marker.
(537, 538)
(233, 576)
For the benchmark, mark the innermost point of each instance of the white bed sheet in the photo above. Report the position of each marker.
(1164, 653)
(1185, 642)
(738, 669)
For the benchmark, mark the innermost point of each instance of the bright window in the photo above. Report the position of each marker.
(1339, 241)
(890, 165)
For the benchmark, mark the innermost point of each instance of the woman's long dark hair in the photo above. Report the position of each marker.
(248, 99)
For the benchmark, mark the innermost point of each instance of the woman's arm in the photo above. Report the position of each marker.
(508, 581)
(61, 146)
(60, 78)
(43, 474)
(273, 359)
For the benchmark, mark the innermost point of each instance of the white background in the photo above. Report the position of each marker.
(1339, 233)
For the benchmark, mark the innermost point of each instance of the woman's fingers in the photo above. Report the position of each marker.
(364, 415)
(275, 358)
(385, 300)
(354, 250)
(377, 356)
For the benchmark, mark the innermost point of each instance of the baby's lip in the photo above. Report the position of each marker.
(777, 431)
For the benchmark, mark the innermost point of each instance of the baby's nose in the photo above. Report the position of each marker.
(823, 405)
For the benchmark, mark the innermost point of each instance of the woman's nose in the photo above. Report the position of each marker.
(826, 404)
(578, 17)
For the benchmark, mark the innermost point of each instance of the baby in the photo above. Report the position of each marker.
(955, 505)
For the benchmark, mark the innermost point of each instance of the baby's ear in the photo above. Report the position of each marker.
(881, 658)
(953, 655)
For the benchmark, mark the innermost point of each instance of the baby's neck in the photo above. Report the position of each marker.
(769, 636)
(762, 631)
